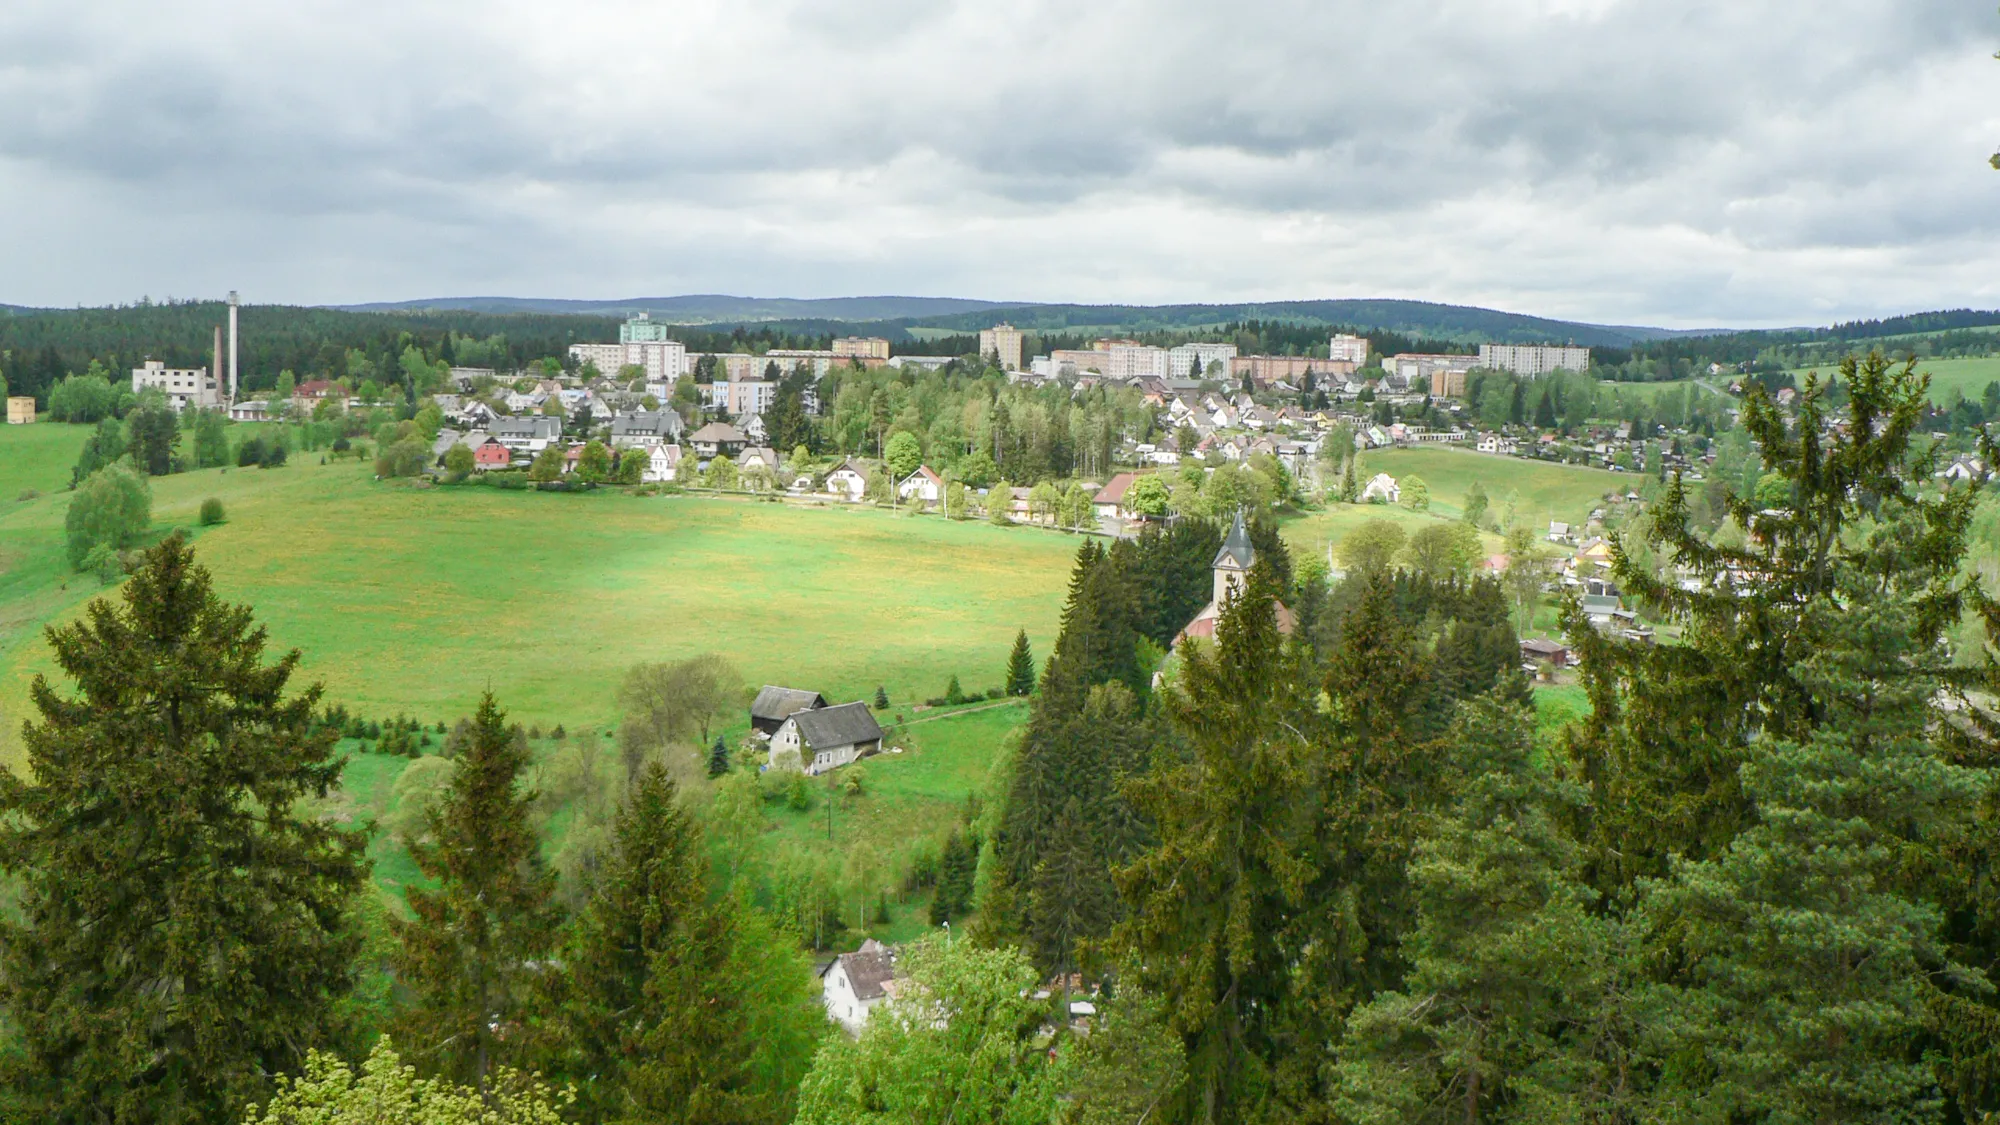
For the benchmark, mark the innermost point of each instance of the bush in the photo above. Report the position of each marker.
(211, 512)
(28, 494)
(250, 453)
(403, 459)
(341, 445)
(274, 454)
(798, 793)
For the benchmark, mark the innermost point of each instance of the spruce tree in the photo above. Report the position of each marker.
(467, 955)
(183, 927)
(718, 758)
(1020, 666)
(651, 1014)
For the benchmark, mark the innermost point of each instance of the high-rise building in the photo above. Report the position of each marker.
(861, 347)
(642, 343)
(1192, 360)
(1004, 341)
(1353, 349)
(1533, 359)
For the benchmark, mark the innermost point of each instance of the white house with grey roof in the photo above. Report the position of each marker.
(646, 429)
(775, 704)
(826, 738)
(855, 984)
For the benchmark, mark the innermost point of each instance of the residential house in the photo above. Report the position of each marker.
(826, 738)
(849, 482)
(490, 453)
(1110, 500)
(855, 984)
(249, 410)
(529, 433)
(717, 439)
(646, 429)
(775, 704)
(1605, 611)
(1382, 487)
(663, 463)
(1558, 531)
(761, 457)
(923, 486)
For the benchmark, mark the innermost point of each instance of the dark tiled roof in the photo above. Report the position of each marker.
(1236, 548)
(779, 703)
(662, 423)
(844, 725)
(867, 971)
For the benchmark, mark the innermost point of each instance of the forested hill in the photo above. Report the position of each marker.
(703, 308)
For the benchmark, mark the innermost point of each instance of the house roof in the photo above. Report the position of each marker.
(1114, 489)
(717, 433)
(924, 473)
(842, 725)
(867, 971)
(774, 702)
(656, 423)
(1544, 647)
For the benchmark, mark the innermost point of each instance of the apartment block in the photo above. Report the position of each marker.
(1533, 359)
(1353, 349)
(861, 347)
(1002, 340)
(1192, 360)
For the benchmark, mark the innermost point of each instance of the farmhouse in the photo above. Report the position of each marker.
(1537, 650)
(1232, 573)
(827, 738)
(854, 984)
(775, 704)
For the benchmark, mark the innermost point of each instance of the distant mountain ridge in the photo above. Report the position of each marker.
(700, 308)
(1425, 319)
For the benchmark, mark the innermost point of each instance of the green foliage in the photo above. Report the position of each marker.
(718, 758)
(211, 439)
(1372, 548)
(632, 465)
(1443, 550)
(955, 1046)
(467, 953)
(111, 509)
(155, 434)
(405, 458)
(1020, 666)
(1148, 496)
(329, 1093)
(216, 945)
(881, 698)
(83, 398)
(659, 1011)
(212, 512)
(674, 703)
(957, 866)
(903, 454)
(594, 463)
(458, 461)
(548, 464)
(106, 445)
(1416, 493)
(1474, 509)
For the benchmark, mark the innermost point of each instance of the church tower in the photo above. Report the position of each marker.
(1232, 563)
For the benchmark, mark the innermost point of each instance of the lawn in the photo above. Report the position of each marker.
(1547, 491)
(408, 600)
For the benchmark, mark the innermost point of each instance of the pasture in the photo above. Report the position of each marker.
(1966, 376)
(414, 600)
(1546, 490)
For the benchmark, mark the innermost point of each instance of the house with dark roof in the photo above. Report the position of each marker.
(646, 429)
(854, 984)
(826, 738)
(775, 704)
(717, 439)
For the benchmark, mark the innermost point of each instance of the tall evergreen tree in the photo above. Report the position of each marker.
(1020, 666)
(467, 955)
(651, 1014)
(183, 928)
(718, 758)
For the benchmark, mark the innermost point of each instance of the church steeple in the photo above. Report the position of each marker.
(1232, 562)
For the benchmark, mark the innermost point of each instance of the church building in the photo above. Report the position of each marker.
(1232, 573)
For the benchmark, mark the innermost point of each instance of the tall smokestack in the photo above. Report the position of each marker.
(232, 345)
(217, 369)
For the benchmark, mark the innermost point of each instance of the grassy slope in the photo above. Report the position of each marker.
(408, 600)
(1967, 376)
(1548, 491)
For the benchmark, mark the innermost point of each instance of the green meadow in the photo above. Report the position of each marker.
(414, 600)
(1966, 376)
(1546, 490)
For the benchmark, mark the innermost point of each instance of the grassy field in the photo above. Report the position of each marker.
(1547, 491)
(414, 600)
(1966, 376)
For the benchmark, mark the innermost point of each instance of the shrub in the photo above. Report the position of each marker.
(341, 445)
(211, 512)
(953, 694)
(798, 794)
(28, 494)
(274, 454)
(251, 452)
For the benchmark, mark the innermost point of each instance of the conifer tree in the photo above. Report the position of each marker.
(467, 954)
(183, 929)
(652, 1015)
(718, 758)
(1020, 666)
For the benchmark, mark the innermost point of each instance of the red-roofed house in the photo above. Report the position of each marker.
(922, 485)
(1110, 499)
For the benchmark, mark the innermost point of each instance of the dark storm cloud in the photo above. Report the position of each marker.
(1678, 162)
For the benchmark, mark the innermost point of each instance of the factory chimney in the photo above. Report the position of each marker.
(232, 345)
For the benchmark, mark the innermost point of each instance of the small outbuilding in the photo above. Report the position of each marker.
(775, 704)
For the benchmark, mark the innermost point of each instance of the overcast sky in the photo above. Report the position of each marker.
(1675, 162)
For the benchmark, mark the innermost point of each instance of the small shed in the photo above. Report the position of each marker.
(1554, 653)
